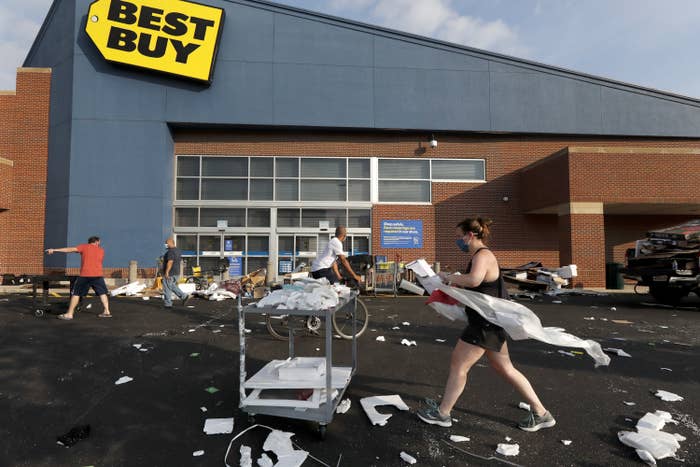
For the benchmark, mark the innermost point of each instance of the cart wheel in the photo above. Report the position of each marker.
(322, 429)
(39, 313)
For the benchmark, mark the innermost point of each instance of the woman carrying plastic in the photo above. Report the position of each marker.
(480, 336)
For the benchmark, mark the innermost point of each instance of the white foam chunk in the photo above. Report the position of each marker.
(658, 443)
(508, 449)
(408, 343)
(458, 438)
(197, 453)
(218, 426)
(123, 379)
(646, 457)
(408, 458)
(369, 405)
(246, 459)
(524, 406)
(566, 442)
(343, 407)
(381, 339)
(280, 442)
(668, 396)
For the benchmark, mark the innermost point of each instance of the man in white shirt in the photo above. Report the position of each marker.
(325, 264)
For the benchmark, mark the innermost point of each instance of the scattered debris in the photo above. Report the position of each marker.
(619, 352)
(369, 405)
(75, 434)
(649, 441)
(216, 331)
(395, 328)
(524, 406)
(246, 459)
(138, 346)
(566, 442)
(212, 390)
(380, 339)
(667, 396)
(129, 290)
(265, 461)
(565, 352)
(509, 439)
(666, 369)
(405, 323)
(146, 299)
(197, 453)
(191, 330)
(408, 458)
(441, 340)
(218, 426)
(203, 409)
(621, 321)
(343, 407)
(508, 449)
(612, 308)
(280, 443)
(589, 318)
(123, 379)
(408, 343)
(458, 438)
(629, 403)
(194, 354)
(557, 302)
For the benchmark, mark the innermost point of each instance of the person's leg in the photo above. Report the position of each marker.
(464, 356)
(100, 288)
(500, 361)
(80, 288)
(167, 298)
(105, 305)
(74, 299)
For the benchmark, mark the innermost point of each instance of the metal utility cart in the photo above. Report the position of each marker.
(321, 406)
(41, 303)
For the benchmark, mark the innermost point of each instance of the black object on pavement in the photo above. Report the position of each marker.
(74, 435)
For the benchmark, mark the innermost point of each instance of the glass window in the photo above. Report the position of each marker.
(235, 217)
(258, 245)
(209, 265)
(260, 189)
(306, 245)
(287, 190)
(285, 245)
(360, 245)
(225, 166)
(209, 244)
(323, 190)
(287, 167)
(256, 263)
(359, 218)
(323, 168)
(234, 244)
(358, 168)
(223, 189)
(188, 166)
(404, 191)
(187, 188)
(187, 244)
(358, 190)
(186, 217)
(404, 169)
(288, 218)
(311, 217)
(261, 167)
(458, 170)
(258, 218)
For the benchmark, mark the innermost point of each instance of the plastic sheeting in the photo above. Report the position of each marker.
(307, 294)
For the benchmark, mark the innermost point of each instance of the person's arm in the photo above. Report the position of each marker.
(68, 249)
(336, 270)
(480, 264)
(168, 267)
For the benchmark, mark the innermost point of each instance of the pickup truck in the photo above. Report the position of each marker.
(668, 262)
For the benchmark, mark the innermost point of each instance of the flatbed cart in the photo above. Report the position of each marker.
(41, 303)
(322, 405)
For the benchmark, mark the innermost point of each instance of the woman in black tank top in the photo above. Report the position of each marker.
(480, 336)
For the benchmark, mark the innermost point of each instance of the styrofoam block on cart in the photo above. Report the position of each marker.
(302, 368)
(268, 377)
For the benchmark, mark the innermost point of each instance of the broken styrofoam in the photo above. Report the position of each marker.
(411, 287)
(218, 426)
(408, 343)
(130, 289)
(441, 340)
(265, 461)
(458, 438)
(566, 442)
(629, 403)
(380, 339)
(508, 449)
(369, 405)
(197, 453)
(618, 352)
(658, 443)
(395, 328)
(301, 369)
(524, 406)
(409, 459)
(666, 369)
(343, 407)
(667, 396)
(646, 457)
(280, 443)
(138, 346)
(308, 294)
(123, 379)
(405, 323)
(654, 421)
(246, 459)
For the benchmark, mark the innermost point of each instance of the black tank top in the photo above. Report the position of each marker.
(492, 288)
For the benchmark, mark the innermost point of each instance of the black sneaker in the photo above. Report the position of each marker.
(535, 422)
(184, 300)
(431, 414)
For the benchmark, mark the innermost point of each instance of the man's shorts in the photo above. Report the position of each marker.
(82, 285)
(327, 273)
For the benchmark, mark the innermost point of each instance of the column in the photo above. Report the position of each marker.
(582, 241)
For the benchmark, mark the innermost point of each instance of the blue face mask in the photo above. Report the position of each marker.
(462, 245)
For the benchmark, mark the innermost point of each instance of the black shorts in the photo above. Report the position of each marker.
(327, 273)
(82, 285)
(482, 333)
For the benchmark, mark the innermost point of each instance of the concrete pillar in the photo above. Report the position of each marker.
(133, 270)
(582, 242)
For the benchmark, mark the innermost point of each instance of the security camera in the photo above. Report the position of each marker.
(433, 143)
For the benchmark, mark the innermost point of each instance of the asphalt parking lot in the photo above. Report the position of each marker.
(55, 375)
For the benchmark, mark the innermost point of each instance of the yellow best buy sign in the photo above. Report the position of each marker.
(173, 36)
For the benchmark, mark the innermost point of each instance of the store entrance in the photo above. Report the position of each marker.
(297, 251)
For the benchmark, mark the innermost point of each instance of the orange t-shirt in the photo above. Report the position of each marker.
(91, 257)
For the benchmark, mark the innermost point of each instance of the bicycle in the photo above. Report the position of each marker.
(278, 326)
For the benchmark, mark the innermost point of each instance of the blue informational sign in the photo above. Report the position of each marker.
(402, 234)
(228, 245)
(235, 264)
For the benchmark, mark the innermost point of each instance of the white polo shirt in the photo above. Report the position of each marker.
(328, 256)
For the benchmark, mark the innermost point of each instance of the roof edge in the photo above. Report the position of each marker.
(42, 32)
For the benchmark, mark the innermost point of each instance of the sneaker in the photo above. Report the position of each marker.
(535, 422)
(431, 414)
(184, 300)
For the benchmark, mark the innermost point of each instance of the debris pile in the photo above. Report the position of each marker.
(675, 239)
(306, 294)
(533, 276)
(650, 442)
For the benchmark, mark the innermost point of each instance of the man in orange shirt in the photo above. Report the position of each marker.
(91, 256)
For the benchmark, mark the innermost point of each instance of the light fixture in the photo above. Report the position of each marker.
(433, 141)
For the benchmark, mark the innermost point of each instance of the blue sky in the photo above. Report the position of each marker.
(650, 43)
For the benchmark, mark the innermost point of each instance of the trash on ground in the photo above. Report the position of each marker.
(212, 389)
(458, 438)
(194, 354)
(666, 369)
(441, 340)
(408, 343)
(216, 331)
(369, 405)
(123, 379)
(265, 461)
(509, 439)
(146, 299)
(396, 328)
(649, 441)
(409, 459)
(629, 403)
(508, 449)
(566, 442)
(655, 421)
(129, 290)
(405, 323)
(280, 443)
(218, 426)
(306, 294)
(138, 346)
(612, 308)
(411, 287)
(668, 396)
(89, 305)
(344, 406)
(618, 352)
(524, 406)
(203, 409)
(621, 321)
(557, 302)
(75, 434)
(197, 453)
(589, 318)
(380, 339)
(246, 459)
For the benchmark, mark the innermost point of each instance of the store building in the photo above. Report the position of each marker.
(299, 122)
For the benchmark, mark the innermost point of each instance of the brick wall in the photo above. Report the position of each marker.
(6, 176)
(24, 123)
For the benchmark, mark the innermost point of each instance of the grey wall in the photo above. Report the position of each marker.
(111, 153)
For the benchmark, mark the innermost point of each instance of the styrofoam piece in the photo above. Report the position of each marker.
(629, 403)
(421, 268)
(524, 406)
(508, 449)
(188, 287)
(408, 343)
(405, 323)
(618, 352)
(369, 405)
(246, 459)
(566, 442)
(568, 272)
(658, 443)
(218, 426)
(441, 340)
(458, 438)
(302, 369)
(88, 306)
(123, 379)
(203, 409)
(138, 346)
(380, 339)
(668, 396)
(411, 287)
(268, 378)
(651, 421)
(265, 461)
(409, 459)
(129, 289)
(509, 439)
(666, 369)
(343, 407)
(197, 453)
(280, 443)
(255, 399)
(646, 457)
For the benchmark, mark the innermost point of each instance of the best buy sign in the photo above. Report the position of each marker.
(173, 36)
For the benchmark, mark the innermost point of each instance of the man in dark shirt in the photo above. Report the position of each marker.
(171, 268)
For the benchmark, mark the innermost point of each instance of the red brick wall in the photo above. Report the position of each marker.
(24, 130)
(545, 183)
(6, 176)
(582, 242)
